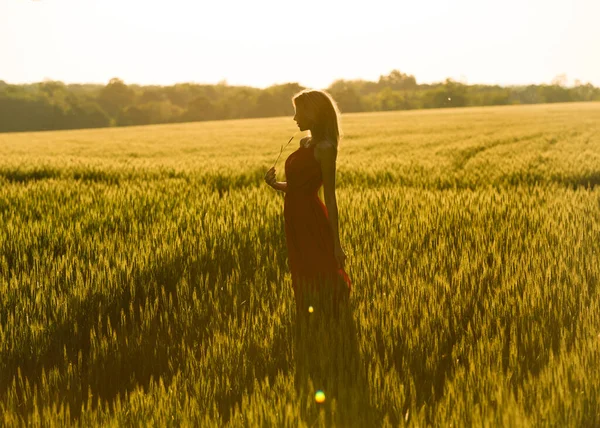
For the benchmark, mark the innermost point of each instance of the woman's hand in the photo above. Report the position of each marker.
(270, 177)
(340, 256)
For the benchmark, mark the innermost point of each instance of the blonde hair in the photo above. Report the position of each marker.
(322, 109)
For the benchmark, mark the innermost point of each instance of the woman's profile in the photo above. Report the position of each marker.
(316, 257)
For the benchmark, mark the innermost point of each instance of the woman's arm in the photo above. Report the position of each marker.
(327, 158)
(280, 185)
(272, 181)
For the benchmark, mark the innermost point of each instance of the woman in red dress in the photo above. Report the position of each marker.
(316, 257)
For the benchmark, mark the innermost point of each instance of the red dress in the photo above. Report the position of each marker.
(309, 238)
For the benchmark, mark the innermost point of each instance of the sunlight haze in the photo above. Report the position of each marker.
(311, 42)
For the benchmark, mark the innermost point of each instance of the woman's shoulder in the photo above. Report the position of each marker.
(325, 146)
(325, 149)
(305, 142)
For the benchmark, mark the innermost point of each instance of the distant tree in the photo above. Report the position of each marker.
(586, 92)
(88, 89)
(276, 100)
(450, 94)
(389, 99)
(25, 112)
(266, 104)
(239, 102)
(86, 113)
(133, 115)
(200, 108)
(554, 93)
(115, 96)
(346, 95)
(365, 87)
(180, 94)
(482, 95)
(52, 88)
(528, 95)
(151, 112)
(152, 94)
(397, 81)
(61, 100)
(53, 105)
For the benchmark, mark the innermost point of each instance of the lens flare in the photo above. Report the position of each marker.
(320, 396)
(310, 309)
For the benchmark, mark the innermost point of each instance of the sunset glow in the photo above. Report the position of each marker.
(312, 42)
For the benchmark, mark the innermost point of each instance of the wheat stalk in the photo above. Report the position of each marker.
(283, 147)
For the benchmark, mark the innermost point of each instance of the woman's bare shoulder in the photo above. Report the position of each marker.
(325, 145)
(325, 149)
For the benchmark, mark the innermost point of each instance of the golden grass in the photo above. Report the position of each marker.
(144, 277)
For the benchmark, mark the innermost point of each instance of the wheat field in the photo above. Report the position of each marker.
(144, 277)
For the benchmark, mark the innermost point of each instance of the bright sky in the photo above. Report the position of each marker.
(312, 42)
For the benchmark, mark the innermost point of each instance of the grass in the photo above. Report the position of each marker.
(144, 277)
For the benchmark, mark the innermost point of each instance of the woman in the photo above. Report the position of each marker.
(315, 253)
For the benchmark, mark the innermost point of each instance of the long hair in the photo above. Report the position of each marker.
(323, 111)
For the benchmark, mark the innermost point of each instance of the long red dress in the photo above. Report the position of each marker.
(310, 244)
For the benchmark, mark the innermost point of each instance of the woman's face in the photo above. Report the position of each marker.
(301, 119)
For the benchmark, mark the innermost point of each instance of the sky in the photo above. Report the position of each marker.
(312, 42)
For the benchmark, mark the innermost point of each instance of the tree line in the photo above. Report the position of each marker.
(52, 105)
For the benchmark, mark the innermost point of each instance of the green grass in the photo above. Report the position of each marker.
(144, 276)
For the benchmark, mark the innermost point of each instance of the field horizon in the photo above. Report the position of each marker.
(421, 111)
